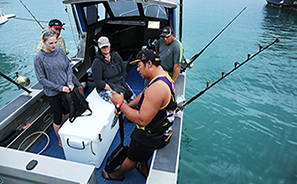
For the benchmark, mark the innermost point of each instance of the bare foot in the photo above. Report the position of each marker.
(111, 176)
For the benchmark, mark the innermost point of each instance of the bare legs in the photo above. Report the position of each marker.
(126, 166)
(57, 127)
(81, 90)
(142, 167)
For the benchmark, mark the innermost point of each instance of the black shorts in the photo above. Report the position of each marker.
(57, 108)
(138, 152)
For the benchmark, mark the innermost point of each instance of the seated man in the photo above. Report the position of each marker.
(171, 52)
(153, 116)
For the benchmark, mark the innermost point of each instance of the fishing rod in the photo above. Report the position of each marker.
(30, 19)
(236, 66)
(32, 14)
(17, 84)
(197, 55)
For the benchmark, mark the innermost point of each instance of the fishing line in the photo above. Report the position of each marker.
(197, 55)
(32, 15)
(236, 66)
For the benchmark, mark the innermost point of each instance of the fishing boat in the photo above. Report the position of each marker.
(4, 17)
(28, 145)
(290, 4)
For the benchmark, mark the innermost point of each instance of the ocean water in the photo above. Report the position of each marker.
(19, 39)
(243, 130)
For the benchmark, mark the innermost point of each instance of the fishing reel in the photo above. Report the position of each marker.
(180, 100)
(188, 63)
(22, 80)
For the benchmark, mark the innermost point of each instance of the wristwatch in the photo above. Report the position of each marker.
(119, 104)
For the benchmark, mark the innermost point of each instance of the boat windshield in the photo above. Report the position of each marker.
(122, 9)
(97, 12)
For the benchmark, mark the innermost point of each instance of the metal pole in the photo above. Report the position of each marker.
(181, 20)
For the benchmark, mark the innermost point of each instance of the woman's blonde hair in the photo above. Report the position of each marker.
(46, 34)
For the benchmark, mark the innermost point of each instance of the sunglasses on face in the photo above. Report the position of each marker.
(47, 33)
(55, 24)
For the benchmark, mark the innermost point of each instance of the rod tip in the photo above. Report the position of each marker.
(276, 40)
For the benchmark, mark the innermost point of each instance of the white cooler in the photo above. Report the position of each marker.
(88, 138)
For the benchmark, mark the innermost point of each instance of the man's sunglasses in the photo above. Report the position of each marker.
(55, 24)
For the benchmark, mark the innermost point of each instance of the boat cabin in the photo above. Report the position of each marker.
(129, 25)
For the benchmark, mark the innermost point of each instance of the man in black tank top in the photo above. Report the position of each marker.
(153, 116)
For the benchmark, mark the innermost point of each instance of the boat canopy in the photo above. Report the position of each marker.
(165, 3)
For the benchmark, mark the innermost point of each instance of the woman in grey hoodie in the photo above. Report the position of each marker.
(54, 73)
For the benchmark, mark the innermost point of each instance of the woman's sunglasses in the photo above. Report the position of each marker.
(47, 33)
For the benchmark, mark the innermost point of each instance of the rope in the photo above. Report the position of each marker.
(38, 132)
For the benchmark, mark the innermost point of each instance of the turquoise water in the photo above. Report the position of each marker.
(243, 130)
(19, 40)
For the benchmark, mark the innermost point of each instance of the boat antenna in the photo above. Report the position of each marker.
(32, 14)
(17, 84)
(198, 54)
(236, 66)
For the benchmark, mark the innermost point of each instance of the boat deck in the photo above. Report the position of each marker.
(54, 150)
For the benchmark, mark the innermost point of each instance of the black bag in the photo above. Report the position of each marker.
(75, 104)
(123, 88)
(118, 156)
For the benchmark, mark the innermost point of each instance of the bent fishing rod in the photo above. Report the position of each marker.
(198, 54)
(31, 14)
(236, 66)
(17, 84)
